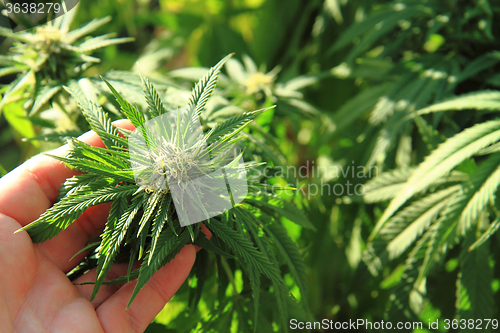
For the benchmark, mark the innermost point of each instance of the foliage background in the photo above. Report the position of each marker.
(363, 67)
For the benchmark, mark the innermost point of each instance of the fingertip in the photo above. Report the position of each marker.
(152, 297)
(187, 256)
(123, 123)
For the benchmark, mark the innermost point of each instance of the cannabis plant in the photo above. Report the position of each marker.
(247, 86)
(140, 172)
(50, 56)
(428, 69)
(47, 58)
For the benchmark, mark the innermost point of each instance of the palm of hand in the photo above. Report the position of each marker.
(36, 295)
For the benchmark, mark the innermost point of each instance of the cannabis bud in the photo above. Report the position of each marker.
(170, 153)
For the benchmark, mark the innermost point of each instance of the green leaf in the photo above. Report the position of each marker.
(492, 228)
(89, 246)
(95, 116)
(441, 161)
(156, 107)
(478, 65)
(136, 118)
(21, 82)
(245, 250)
(114, 159)
(292, 256)
(76, 34)
(3, 171)
(280, 291)
(102, 41)
(229, 128)
(357, 106)
(203, 90)
(203, 242)
(159, 221)
(388, 19)
(411, 222)
(485, 182)
(10, 70)
(477, 100)
(149, 209)
(66, 19)
(119, 219)
(275, 205)
(20, 36)
(168, 247)
(43, 97)
(90, 166)
(14, 114)
(382, 28)
(474, 293)
(254, 278)
(386, 185)
(66, 211)
(57, 136)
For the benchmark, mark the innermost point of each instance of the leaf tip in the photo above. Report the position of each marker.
(19, 230)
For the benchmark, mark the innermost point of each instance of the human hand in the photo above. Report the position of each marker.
(35, 294)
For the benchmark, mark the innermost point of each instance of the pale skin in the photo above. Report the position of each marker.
(35, 294)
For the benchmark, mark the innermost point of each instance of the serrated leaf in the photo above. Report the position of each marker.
(119, 220)
(202, 92)
(229, 128)
(413, 220)
(292, 256)
(168, 246)
(149, 209)
(43, 97)
(387, 19)
(441, 161)
(76, 34)
(474, 293)
(477, 100)
(203, 242)
(245, 250)
(103, 41)
(386, 185)
(158, 223)
(156, 107)
(273, 205)
(492, 228)
(66, 211)
(94, 114)
(485, 182)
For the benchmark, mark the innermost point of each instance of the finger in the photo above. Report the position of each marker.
(151, 299)
(62, 248)
(207, 233)
(106, 291)
(32, 188)
(90, 224)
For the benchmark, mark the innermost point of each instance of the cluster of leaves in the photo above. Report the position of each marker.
(426, 70)
(251, 87)
(49, 57)
(46, 59)
(143, 224)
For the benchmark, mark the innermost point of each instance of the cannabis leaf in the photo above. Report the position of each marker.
(144, 222)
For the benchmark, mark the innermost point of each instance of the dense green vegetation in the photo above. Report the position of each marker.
(385, 121)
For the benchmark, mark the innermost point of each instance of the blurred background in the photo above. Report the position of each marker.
(366, 90)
